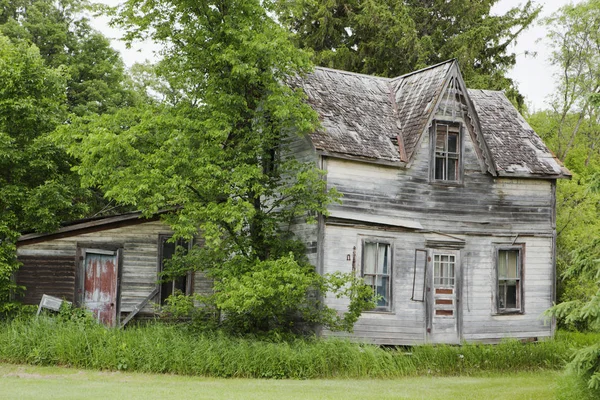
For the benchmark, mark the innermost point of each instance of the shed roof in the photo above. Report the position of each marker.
(382, 119)
(88, 225)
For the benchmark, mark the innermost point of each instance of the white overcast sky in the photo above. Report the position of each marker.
(533, 74)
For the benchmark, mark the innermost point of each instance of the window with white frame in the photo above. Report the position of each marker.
(447, 139)
(510, 275)
(443, 269)
(377, 272)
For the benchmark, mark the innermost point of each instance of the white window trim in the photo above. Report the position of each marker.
(520, 291)
(389, 243)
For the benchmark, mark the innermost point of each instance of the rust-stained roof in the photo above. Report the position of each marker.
(383, 119)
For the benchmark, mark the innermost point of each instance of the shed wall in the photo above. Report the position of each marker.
(139, 272)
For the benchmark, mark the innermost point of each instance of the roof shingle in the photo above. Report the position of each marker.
(383, 119)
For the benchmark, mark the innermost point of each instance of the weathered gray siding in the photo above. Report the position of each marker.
(483, 211)
(303, 151)
(406, 323)
(483, 204)
(139, 271)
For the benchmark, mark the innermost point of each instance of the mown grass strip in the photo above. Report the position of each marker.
(35, 382)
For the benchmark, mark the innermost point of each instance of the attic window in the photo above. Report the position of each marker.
(447, 153)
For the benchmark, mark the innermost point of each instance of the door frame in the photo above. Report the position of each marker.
(429, 297)
(82, 248)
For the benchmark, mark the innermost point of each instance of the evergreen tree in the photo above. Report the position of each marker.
(394, 37)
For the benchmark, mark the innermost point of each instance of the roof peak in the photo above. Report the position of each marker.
(341, 71)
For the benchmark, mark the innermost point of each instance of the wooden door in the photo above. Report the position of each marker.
(443, 300)
(100, 284)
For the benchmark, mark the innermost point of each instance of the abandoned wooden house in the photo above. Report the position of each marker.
(448, 212)
(448, 207)
(110, 265)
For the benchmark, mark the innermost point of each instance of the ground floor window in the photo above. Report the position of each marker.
(509, 289)
(377, 272)
(181, 283)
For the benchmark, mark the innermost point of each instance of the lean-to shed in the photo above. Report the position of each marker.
(110, 265)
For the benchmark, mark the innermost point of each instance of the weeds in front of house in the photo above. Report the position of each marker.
(163, 348)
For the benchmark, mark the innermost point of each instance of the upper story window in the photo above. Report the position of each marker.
(447, 153)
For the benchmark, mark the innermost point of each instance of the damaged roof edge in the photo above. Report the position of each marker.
(90, 225)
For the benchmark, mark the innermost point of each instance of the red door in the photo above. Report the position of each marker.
(100, 285)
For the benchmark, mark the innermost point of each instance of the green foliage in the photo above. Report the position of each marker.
(392, 37)
(96, 80)
(575, 39)
(52, 64)
(584, 310)
(37, 188)
(176, 349)
(585, 265)
(217, 153)
(572, 130)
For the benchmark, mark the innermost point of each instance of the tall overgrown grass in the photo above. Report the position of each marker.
(161, 348)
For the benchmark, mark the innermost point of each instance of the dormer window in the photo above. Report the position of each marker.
(447, 152)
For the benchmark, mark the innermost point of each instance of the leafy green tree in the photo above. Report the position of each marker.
(217, 154)
(96, 79)
(37, 188)
(394, 37)
(572, 129)
(574, 33)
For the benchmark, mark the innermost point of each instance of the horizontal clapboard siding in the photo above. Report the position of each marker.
(139, 272)
(482, 204)
(405, 324)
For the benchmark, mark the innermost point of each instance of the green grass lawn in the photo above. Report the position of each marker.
(29, 382)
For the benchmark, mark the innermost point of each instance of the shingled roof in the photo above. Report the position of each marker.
(515, 146)
(383, 119)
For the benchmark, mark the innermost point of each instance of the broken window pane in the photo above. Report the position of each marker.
(179, 283)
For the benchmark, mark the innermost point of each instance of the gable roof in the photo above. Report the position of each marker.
(383, 119)
(416, 95)
(356, 111)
